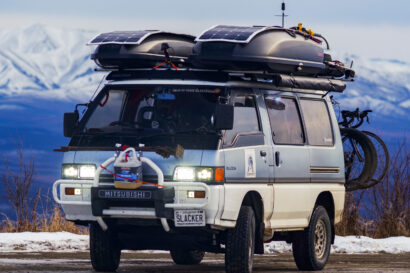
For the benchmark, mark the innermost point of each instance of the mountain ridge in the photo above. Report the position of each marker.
(54, 64)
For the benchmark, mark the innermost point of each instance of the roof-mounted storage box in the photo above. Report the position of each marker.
(272, 49)
(140, 49)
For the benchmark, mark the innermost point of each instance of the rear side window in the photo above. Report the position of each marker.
(318, 126)
(284, 120)
(245, 117)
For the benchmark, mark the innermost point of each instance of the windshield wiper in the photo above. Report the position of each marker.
(103, 132)
(192, 131)
(201, 131)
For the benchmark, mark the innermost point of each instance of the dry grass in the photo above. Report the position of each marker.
(53, 221)
(17, 176)
(387, 210)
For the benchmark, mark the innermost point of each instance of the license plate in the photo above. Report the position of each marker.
(124, 194)
(189, 218)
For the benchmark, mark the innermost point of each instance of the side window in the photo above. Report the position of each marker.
(284, 120)
(318, 127)
(108, 110)
(245, 117)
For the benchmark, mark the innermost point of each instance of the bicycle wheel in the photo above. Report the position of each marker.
(360, 159)
(383, 158)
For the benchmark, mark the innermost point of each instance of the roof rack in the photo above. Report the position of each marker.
(277, 79)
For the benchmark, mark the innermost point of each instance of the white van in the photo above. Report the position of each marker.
(229, 160)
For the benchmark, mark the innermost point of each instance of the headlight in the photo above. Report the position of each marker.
(87, 171)
(78, 171)
(184, 173)
(199, 173)
(70, 171)
(204, 174)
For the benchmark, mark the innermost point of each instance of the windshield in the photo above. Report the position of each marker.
(158, 116)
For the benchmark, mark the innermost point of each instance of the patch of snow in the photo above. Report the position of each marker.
(43, 242)
(68, 242)
(363, 244)
(354, 245)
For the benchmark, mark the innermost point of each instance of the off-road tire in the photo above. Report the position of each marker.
(240, 243)
(370, 158)
(104, 250)
(187, 257)
(306, 244)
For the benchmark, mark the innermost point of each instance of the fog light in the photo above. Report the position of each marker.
(72, 191)
(196, 194)
(191, 194)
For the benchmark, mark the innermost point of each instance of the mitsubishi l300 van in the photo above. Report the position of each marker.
(229, 159)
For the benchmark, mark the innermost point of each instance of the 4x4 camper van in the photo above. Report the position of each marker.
(211, 144)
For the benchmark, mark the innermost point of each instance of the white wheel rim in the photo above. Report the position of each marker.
(320, 239)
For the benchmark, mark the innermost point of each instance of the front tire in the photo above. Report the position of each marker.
(187, 257)
(104, 250)
(311, 247)
(240, 243)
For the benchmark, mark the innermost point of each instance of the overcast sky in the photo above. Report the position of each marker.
(370, 28)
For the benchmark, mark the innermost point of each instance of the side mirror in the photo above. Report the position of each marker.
(223, 117)
(70, 123)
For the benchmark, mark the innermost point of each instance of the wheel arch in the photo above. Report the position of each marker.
(254, 200)
(325, 199)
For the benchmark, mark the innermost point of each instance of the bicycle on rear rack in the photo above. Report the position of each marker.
(366, 155)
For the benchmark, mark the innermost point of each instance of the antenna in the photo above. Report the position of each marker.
(283, 7)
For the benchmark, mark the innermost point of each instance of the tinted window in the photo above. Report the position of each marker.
(245, 117)
(318, 127)
(284, 120)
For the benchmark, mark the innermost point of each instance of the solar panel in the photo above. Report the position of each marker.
(122, 37)
(234, 34)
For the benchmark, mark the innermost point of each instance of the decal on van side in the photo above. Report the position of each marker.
(250, 163)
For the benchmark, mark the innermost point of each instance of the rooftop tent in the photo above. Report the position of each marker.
(272, 49)
(140, 49)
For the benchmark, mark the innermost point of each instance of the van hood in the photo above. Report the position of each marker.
(167, 165)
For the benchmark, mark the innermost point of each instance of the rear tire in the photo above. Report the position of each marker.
(383, 158)
(187, 257)
(104, 250)
(358, 174)
(311, 247)
(240, 243)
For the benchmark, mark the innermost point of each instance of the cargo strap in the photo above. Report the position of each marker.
(164, 47)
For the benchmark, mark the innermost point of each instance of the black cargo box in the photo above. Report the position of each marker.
(271, 49)
(140, 49)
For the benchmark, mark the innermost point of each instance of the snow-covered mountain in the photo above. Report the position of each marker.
(54, 63)
(46, 62)
(381, 85)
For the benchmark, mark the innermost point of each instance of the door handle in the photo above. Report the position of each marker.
(263, 153)
(277, 158)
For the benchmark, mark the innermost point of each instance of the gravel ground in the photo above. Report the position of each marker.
(161, 262)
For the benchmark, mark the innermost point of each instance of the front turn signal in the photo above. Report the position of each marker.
(219, 174)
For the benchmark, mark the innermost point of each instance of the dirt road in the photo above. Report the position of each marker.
(144, 262)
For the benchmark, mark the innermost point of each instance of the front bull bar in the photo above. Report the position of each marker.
(133, 212)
